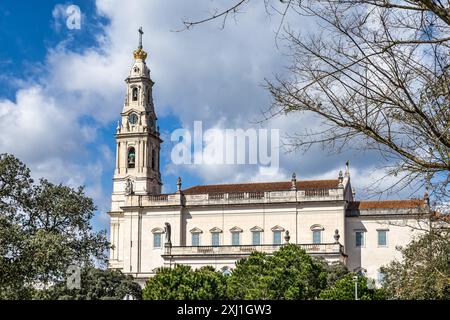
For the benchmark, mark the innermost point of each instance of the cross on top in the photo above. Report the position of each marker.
(141, 32)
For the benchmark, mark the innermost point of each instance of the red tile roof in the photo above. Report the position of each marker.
(387, 204)
(261, 186)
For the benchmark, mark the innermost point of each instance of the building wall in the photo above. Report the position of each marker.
(297, 219)
(371, 256)
(132, 232)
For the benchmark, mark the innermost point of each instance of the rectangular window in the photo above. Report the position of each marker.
(382, 238)
(359, 238)
(380, 278)
(317, 236)
(157, 240)
(215, 239)
(235, 237)
(277, 237)
(256, 238)
(195, 239)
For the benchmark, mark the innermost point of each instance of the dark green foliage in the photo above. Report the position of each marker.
(96, 284)
(344, 289)
(181, 282)
(424, 271)
(289, 274)
(335, 271)
(44, 228)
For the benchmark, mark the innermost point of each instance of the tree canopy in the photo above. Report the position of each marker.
(289, 274)
(424, 270)
(44, 228)
(96, 284)
(181, 282)
(344, 289)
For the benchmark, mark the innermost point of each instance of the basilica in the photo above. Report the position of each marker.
(218, 224)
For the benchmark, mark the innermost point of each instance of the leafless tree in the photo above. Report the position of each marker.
(377, 74)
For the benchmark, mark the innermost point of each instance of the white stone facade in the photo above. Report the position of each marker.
(217, 224)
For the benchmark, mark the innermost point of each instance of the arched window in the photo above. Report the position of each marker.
(236, 236)
(226, 271)
(157, 237)
(256, 235)
(277, 234)
(131, 157)
(215, 236)
(317, 231)
(195, 237)
(135, 94)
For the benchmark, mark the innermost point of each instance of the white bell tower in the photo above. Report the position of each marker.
(138, 141)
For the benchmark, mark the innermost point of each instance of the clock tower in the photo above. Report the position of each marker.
(138, 140)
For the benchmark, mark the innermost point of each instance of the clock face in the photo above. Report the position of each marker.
(133, 118)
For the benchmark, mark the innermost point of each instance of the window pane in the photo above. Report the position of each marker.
(157, 240)
(317, 236)
(359, 238)
(277, 237)
(382, 238)
(215, 239)
(235, 238)
(256, 238)
(380, 278)
(195, 239)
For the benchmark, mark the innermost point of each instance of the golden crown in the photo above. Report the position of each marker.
(140, 54)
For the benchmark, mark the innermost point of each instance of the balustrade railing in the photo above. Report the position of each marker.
(158, 198)
(242, 197)
(322, 248)
(317, 192)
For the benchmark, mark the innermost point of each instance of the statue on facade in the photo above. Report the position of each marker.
(179, 184)
(167, 231)
(129, 187)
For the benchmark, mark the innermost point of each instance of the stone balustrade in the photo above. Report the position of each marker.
(236, 197)
(325, 250)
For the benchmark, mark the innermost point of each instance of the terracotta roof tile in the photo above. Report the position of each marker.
(261, 186)
(386, 204)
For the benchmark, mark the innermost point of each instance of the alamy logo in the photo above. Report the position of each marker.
(73, 14)
(73, 280)
(226, 146)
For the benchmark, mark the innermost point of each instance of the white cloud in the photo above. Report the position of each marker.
(205, 74)
(35, 126)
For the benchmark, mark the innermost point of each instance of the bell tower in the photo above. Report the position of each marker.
(138, 140)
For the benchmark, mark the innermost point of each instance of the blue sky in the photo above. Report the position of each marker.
(61, 91)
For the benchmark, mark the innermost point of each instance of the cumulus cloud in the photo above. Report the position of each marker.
(205, 74)
(36, 127)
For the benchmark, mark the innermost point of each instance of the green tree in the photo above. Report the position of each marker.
(96, 284)
(344, 289)
(289, 274)
(335, 271)
(181, 282)
(424, 270)
(251, 278)
(44, 228)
